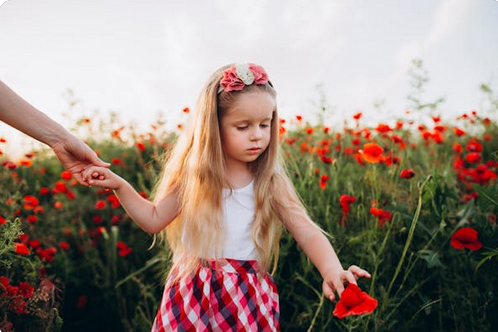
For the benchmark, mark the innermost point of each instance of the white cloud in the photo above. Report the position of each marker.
(447, 16)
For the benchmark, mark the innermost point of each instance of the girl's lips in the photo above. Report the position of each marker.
(254, 150)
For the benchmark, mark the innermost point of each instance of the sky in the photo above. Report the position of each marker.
(139, 58)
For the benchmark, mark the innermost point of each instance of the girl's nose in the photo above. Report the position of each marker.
(256, 134)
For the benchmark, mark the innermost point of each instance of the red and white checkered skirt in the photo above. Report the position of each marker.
(226, 295)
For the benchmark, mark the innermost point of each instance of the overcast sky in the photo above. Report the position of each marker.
(141, 57)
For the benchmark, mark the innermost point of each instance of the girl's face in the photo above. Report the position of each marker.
(245, 127)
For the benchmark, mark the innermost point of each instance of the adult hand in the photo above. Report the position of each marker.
(75, 156)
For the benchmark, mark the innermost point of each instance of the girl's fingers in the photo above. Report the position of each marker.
(350, 277)
(339, 287)
(98, 183)
(328, 291)
(86, 173)
(358, 272)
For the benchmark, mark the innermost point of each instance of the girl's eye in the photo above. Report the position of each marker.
(242, 127)
(264, 125)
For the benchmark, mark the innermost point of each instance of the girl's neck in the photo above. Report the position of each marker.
(238, 177)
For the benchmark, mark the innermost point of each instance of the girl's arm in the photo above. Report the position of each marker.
(149, 216)
(314, 243)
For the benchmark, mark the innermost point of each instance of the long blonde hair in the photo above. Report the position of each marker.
(195, 173)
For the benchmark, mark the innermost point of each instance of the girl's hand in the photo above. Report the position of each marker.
(101, 177)
(334, 282)
(76, 156)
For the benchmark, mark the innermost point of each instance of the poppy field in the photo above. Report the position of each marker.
(413, 201)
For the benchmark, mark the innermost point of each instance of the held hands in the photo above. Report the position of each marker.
(334, 281)
(76, 156)
(101, 177)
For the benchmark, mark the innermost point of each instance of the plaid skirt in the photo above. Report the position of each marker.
(225, 295)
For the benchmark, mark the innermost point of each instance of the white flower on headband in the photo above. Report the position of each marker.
(238, 76)
(244, 73)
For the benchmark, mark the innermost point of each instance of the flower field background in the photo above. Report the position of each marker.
(413, 201)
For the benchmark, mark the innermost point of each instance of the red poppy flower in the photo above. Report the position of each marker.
(474, 146)
(100, 204)
(459, 132)
(326, 160)
(70, 195)
(66, 175)
(383, 128)
(117, 161)
(60, 187)
(357, 116)
(123, 249)
(440, 128)
(140, 146)
(97, 219)
(436, 118)
(323, 181)
(21, 248)
(382, 215)
(354, 302)
(465, 237)
(372, 153)
(25, 289)
(407, 173)
(473, 157)
(345, 201)
(115, 219)
(25, 162)
(46, 254)
(44, 191)
(34, 243)
(30, 202)
(32, 219)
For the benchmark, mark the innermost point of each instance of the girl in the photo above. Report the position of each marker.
(222, 201)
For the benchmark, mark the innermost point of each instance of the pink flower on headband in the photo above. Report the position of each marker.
(238, 76)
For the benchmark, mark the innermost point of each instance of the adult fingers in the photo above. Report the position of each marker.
(79, 177)
(94, 159)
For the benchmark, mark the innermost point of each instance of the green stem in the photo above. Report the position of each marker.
(410, 235)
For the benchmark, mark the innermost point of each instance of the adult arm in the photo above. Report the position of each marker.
(73, 154)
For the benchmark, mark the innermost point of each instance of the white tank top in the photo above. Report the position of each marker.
(238, 209)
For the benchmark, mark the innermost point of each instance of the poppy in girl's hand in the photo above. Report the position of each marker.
(354, 302)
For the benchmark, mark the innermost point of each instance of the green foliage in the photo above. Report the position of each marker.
(102, 275)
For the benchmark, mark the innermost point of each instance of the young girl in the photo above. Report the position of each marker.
(222, 201)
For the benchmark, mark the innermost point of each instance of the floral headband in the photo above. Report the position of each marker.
(238, 76)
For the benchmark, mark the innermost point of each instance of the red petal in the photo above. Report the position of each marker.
(354, 302)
